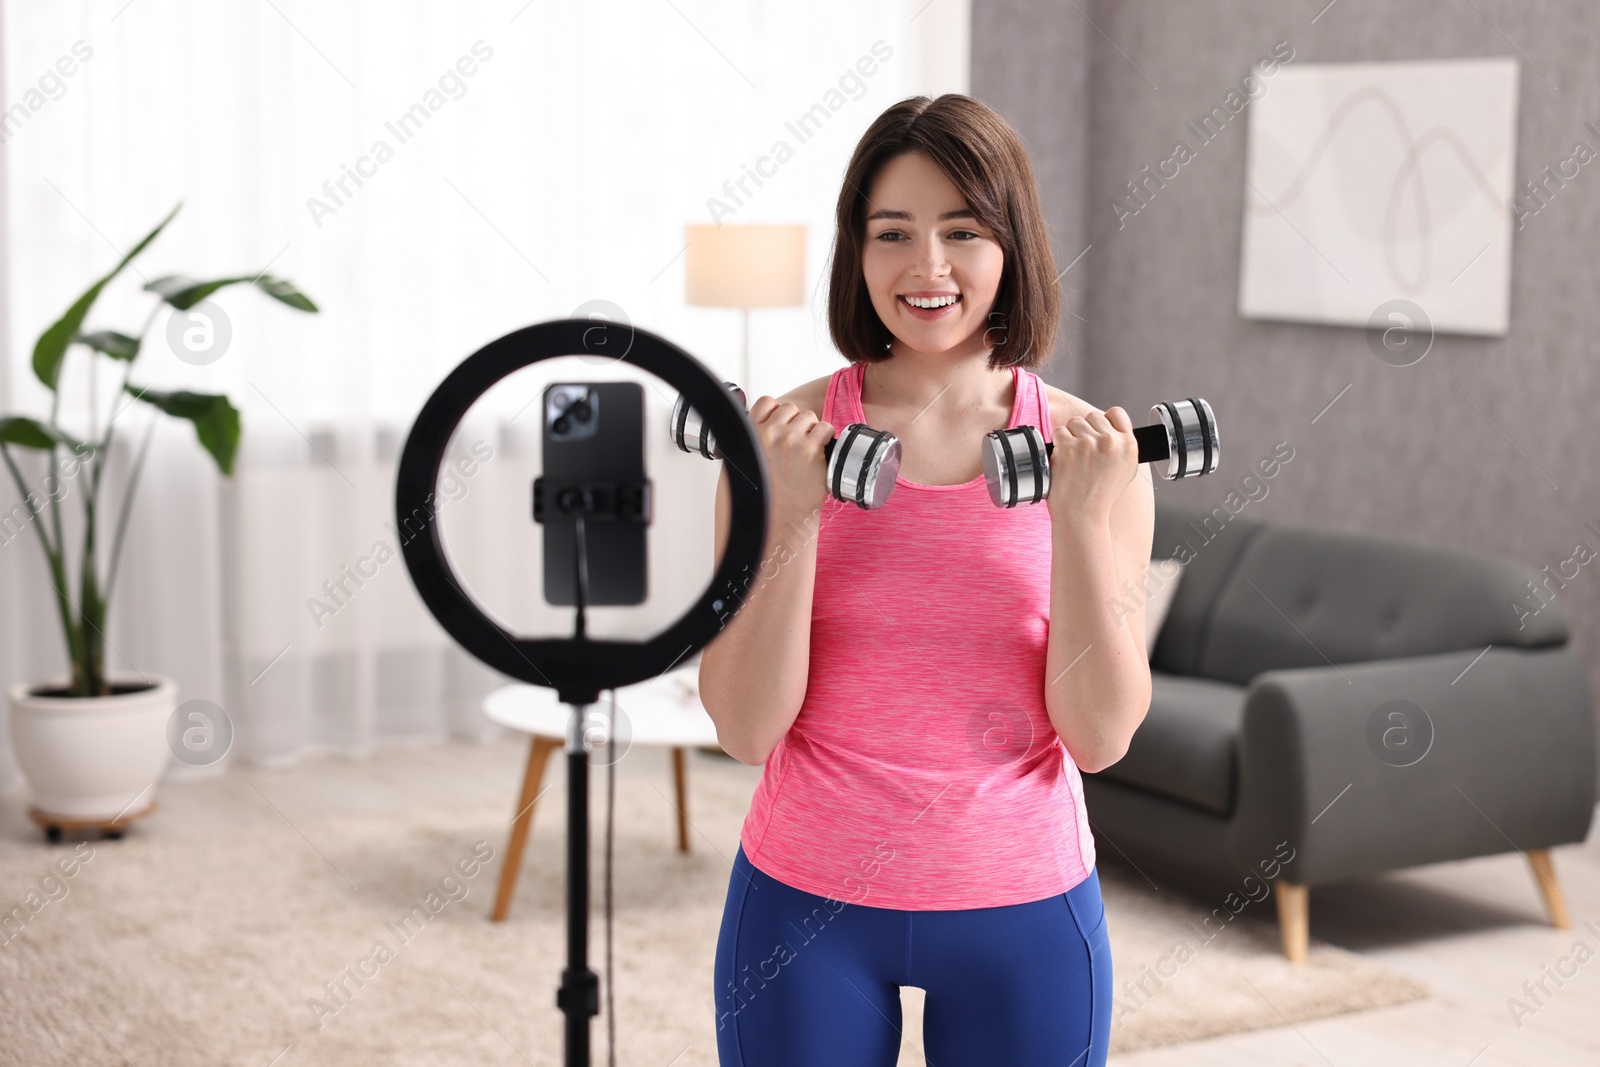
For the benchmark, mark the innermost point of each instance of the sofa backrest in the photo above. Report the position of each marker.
(1258, 596)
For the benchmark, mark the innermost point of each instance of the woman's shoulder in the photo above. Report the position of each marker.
(810, 396)
(1063, 405)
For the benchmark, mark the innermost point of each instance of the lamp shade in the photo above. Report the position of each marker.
(745, 266)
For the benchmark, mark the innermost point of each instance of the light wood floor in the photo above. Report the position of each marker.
(1473, 931)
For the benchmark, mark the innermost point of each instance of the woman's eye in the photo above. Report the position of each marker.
(886, 235)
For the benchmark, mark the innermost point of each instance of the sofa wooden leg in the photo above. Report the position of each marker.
(1294, 918)
(1544, 873)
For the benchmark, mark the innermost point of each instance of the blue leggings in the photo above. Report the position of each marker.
(804, 981)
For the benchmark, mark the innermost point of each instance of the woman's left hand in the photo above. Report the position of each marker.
(1092, 460)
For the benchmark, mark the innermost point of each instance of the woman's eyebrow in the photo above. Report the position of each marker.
(891, 213)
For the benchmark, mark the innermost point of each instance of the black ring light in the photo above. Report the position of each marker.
(577, 668)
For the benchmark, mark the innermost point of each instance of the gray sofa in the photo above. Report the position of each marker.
(1284, 719)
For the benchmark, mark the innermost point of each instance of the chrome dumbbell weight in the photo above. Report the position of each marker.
(1016, 462)
(863, 463)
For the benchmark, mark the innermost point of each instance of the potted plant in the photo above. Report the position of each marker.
(90, 746)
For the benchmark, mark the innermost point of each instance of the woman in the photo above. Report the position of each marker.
(924, 681)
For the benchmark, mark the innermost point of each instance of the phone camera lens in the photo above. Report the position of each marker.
(580, 410)
(562, 425)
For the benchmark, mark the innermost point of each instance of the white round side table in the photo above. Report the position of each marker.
(665, 710)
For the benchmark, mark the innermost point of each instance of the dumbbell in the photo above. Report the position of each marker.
(1017, 467)
(863, 463)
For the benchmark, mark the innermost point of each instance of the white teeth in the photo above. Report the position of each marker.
(929, 301)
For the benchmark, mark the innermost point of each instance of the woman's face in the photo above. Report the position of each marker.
(923, 240)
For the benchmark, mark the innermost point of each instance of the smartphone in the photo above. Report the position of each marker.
(594, 434)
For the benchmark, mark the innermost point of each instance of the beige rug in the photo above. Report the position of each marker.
(227, 948)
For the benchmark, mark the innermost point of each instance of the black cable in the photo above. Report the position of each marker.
(583, 576)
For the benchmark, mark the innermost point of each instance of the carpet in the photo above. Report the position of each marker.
(364, 939)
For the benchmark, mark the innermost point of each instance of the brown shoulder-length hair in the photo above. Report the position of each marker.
(984, 158)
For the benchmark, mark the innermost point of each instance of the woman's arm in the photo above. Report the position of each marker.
(753, 674)
(1097, 670)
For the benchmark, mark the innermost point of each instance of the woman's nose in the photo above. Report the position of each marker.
(931, 258)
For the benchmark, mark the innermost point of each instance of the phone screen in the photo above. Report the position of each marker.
(594, 432)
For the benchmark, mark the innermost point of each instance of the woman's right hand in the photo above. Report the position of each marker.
(793, 440)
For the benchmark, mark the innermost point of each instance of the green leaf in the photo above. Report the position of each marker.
(28, 433)
(216, 422)
(52, 344)
(184, 293)
(31, 433)
(114, 344)
(282, 289)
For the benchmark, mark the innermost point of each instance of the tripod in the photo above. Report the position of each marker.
(577, 667)
(579, 996)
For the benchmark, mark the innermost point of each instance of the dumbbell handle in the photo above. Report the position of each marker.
(694, 437)
(1153, 444)
(1016, 461)
(867, 467)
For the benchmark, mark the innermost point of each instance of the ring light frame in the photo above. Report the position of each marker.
(577, 668)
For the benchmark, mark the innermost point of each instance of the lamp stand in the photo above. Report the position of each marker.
(744, 351)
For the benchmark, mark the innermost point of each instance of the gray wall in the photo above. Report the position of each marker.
(1033, 66)
(1449, 450)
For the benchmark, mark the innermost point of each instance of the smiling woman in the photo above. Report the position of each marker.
(926, 634)
(927, 206)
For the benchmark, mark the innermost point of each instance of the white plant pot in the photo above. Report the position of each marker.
(87, 758)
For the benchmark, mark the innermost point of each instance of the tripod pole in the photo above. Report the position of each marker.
(579, 995)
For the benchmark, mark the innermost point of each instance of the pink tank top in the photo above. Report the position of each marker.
(922, 771)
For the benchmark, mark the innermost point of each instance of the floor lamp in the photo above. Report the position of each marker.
(745, 267)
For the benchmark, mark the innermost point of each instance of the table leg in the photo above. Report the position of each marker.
(538, 753)
(680, 779)
(1294, 918)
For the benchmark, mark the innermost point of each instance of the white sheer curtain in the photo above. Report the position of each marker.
(433, 175)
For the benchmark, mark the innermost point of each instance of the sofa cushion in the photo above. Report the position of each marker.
(1184, 749)
(1257, 597)
(1160, 586)
(1309, 598)
(1208, 544)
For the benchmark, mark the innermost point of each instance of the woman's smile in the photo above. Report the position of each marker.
(929, 306)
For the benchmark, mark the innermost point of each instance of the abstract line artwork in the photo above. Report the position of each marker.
(1371, 182)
